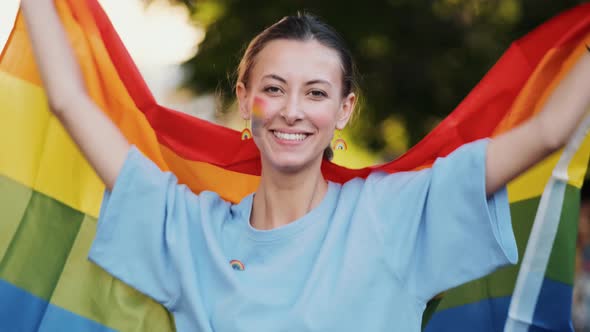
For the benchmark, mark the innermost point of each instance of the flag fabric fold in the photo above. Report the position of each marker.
(50, 197)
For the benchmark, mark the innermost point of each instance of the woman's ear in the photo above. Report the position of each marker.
(346, 110)
(242, 95)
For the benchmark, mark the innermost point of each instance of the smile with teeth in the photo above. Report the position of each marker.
(289, 136)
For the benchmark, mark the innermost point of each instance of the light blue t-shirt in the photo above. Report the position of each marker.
(367, 258)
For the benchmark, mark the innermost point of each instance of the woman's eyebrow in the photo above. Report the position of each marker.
(284, 81)
(276, 77)
(318, 81)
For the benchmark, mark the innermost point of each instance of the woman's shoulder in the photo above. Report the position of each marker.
(211, 200)
(397, 180)
(379, 184)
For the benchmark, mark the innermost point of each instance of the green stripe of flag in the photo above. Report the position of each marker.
(46, 247)
(40, 246)
(14, 198)
(560, 267)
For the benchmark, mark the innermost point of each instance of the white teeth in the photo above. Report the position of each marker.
(290, 137)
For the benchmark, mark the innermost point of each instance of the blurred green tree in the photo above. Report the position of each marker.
(417, 58)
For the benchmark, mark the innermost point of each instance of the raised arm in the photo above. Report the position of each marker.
(514, 152)
(101, 142)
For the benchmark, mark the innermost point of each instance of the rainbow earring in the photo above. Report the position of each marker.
(339, 143)
(246, 133)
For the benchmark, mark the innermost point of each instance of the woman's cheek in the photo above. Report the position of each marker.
(323, 117)
(259, 114)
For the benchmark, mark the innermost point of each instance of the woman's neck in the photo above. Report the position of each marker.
(283, 198)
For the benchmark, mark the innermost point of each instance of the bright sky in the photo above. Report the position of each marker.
(157, 36)
(7, 12)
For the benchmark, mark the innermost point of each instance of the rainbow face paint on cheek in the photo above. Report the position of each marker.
(257, 114)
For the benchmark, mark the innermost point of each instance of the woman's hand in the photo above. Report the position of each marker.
(512, 153)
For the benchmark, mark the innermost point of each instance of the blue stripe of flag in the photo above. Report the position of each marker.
(23, 312)
(552, 313)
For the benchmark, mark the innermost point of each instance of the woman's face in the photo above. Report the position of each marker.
(294, 100)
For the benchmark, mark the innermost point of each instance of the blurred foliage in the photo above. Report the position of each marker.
(418, 59)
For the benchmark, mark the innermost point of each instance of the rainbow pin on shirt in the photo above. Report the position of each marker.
(237, 265)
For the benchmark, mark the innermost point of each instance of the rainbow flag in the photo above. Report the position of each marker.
(50, 196)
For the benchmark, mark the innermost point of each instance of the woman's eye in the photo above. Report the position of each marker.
(318, 93)
(272, 89)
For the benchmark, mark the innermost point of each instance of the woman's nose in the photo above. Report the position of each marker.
(292, 110)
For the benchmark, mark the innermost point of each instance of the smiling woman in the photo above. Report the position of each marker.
(302, 252)
(301, 101)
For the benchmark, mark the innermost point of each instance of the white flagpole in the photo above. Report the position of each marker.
(540, 243)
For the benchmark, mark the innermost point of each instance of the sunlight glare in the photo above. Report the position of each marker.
(159, 35)
(8, 9)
